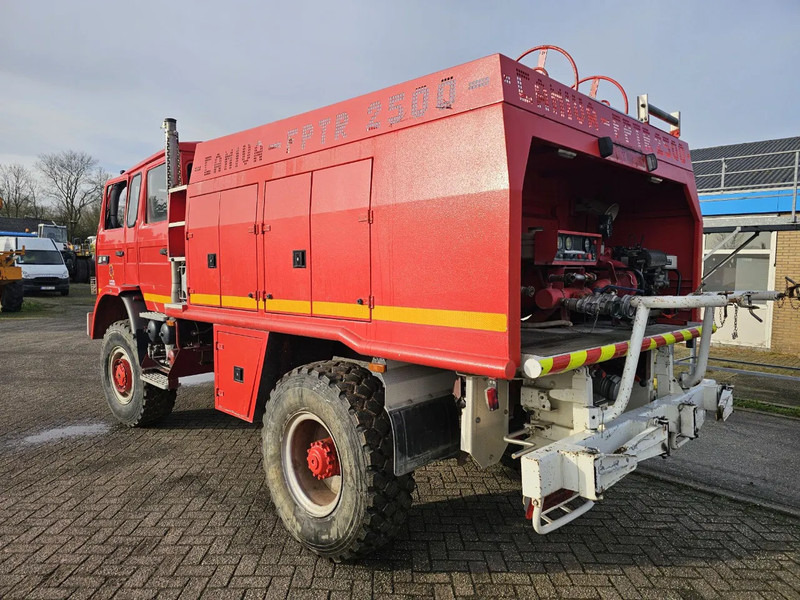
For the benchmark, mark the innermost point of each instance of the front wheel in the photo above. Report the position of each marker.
(327, 448)
(132, 401)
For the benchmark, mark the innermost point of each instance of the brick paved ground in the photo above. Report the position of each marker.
(91, 510)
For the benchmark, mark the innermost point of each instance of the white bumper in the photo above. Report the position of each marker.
(589, 463)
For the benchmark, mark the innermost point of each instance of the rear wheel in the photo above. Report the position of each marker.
(81, 270)
(11, 299)
(327, 447)
(131, 400)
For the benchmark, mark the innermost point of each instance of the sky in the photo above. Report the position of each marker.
(99, 77)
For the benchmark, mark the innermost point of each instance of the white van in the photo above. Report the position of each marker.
(43, 268)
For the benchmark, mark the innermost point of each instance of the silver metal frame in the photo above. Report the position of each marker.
(723, 172)
(606, 449)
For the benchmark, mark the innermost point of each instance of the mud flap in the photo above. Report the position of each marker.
(424, 432)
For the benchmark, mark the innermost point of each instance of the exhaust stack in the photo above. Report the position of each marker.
(173, 153)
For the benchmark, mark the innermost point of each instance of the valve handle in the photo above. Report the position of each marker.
(543, 58)
(595, 79)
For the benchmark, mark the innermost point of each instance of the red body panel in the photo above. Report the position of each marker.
(286, 207)
(340, 241)
(237, 369)
(413, 200)
(202, 250)
(237, 259)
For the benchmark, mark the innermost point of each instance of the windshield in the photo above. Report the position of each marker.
(40, 257)
(58, 234)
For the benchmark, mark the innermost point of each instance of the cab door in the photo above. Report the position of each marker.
(111, 235)
(154, 270)
(131, 220)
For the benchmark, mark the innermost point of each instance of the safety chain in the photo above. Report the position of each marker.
(724, 311)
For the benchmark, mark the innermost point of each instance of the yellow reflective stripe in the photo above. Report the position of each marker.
(204, 299)
(441, 318)
(547, 364)
(580, 358)
(396, 314)
(340, 309)
(239, 302)
(576, 359)
(157, 298)
(290, 306)
(606, 352)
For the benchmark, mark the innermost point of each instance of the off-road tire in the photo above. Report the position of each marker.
(147, 404)
(373, 502)
(11, 299)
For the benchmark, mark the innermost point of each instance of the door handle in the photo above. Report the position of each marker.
(120, 252)
(163, 252)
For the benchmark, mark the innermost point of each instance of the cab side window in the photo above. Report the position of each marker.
(133, 201)
(157, 194)
(116, 203)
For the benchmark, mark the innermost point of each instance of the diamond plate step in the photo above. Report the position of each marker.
(156, 378)
(152, 315)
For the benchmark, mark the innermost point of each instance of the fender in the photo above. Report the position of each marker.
(110, 308)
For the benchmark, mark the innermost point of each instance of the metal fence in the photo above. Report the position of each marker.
(776, 171)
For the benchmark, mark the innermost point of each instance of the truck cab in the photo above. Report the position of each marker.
(133, 230)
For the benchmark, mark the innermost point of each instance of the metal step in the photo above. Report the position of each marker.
(156, 378)
(181, 306)
(153, 315)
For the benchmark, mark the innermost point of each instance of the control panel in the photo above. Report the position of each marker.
(566, 247)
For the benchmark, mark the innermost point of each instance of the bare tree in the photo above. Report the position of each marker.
(74, 182)
(18, 189)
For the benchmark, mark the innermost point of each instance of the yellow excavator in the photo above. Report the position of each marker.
(10, 279)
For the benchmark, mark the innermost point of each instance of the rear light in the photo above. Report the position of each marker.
(492, 399)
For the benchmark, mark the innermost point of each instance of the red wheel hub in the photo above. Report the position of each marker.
(123, 376)
(322, 459)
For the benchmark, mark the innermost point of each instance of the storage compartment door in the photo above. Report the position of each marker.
(287, 252)
(238, 359)
(202, 250)
(237, 241)
(340, 238)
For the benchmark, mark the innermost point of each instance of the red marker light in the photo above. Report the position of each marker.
(492, 399)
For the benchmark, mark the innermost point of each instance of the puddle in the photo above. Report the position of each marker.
(71, 431)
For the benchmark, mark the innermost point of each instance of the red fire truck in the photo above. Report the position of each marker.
(483, 262)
